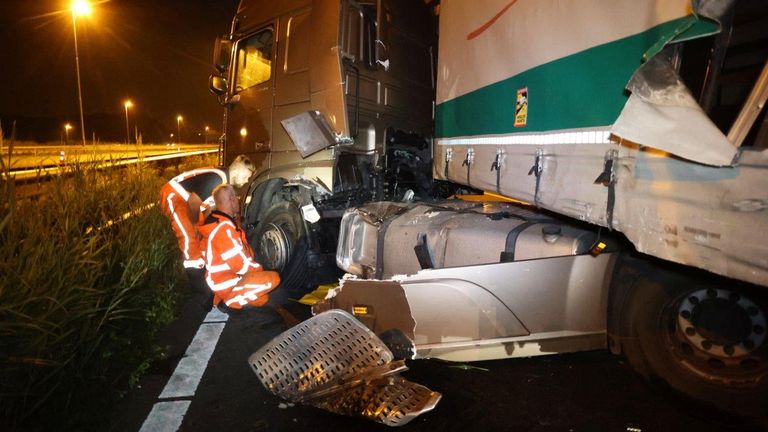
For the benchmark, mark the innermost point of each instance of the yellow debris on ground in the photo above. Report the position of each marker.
(317, 295)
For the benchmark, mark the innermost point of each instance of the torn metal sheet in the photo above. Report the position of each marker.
(515, 309)
(332, 361)
(381, 306)
(314, 184)
(663, 114)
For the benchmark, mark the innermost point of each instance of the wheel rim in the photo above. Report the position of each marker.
(720, 334)
(275, 247)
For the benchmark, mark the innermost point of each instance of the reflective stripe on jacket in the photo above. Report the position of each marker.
(175, 204)
(228, 256)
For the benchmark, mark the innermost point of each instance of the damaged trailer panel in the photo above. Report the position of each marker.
(532, 105)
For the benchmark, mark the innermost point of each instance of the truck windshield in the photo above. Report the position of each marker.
(254, 60)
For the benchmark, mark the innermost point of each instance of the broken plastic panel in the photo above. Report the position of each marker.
(310, 132)
(332, 361)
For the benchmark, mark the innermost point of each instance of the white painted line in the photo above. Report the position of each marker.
(190, 369)
(215, 315)
(165, 417)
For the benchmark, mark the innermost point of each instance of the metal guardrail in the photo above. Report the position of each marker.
(32, 173)
(31, 183)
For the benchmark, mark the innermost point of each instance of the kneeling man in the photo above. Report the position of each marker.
(231, 272)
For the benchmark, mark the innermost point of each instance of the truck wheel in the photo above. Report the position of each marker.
(704, 339)
(261, 198)
(275, 237)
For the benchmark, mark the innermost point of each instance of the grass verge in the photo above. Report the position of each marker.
(81, 300)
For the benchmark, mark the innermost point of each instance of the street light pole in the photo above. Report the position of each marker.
(127, 105)
(179, 119)
(79, 7)
(205, 138)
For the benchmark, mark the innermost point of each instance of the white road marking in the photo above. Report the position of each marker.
(165, 416)
(190, 369)
(168, 415)
(215, 316)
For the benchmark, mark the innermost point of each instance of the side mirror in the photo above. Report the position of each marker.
(222, 53)
(217, 84)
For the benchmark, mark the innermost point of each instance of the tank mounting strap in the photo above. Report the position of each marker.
(508, 255)
(423, 254)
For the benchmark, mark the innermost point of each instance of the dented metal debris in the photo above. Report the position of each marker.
(332, 361)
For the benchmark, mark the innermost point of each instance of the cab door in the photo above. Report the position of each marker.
(249, 125)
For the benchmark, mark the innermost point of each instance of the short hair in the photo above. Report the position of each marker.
(219, 190)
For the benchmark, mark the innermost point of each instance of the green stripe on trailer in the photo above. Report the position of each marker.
(582, 90)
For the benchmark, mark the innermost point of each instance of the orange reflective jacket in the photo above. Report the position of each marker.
(184, 214)
(231, 272)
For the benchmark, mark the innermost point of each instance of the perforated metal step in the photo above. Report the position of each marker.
(332, 361)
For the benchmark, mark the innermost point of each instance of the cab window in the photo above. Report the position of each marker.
(254, 60)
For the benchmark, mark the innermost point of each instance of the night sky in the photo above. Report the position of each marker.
(155, 52)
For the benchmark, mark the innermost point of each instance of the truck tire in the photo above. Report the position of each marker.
(276, 235)
(261, 199)
(702, 337)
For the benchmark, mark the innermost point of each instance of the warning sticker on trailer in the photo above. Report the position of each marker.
(521, 107)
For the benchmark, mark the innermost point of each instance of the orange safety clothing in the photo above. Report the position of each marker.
(231, 272)
(185, 212)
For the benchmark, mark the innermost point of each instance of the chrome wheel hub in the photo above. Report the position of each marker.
(275, 248)
(720, 324)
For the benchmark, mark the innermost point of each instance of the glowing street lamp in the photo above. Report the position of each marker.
(179, 119)
(205, 138)
(79, 8)
(127, 104)
(67, 127)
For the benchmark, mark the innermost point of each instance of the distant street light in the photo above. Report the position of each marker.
(79, 8)
(243, 134)
(205, 138)
(179, 119)
(67, 127)
(127, 104)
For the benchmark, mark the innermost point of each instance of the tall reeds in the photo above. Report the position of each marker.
(81, 299)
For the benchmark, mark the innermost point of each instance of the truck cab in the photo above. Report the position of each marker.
(327, 110)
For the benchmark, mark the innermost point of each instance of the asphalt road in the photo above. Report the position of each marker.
(591, 391)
